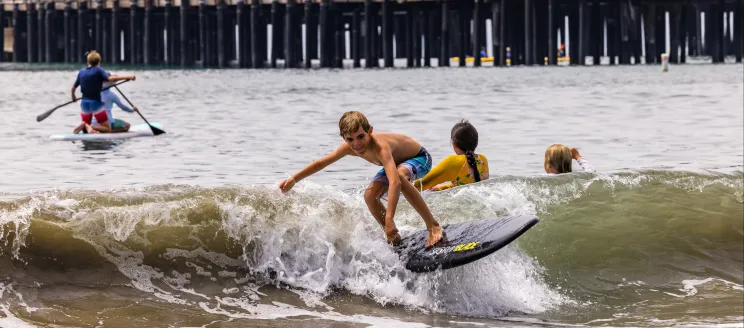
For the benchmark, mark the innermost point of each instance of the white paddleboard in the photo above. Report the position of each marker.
(135, 131)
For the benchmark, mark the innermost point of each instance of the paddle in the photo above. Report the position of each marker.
(155, 130)
(46, 114)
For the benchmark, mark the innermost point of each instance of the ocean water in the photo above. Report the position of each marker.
(188, 229)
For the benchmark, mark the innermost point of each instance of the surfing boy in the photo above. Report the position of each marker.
(90, 80)
(109, 98)
(402, 158)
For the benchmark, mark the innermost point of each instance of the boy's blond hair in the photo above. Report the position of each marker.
(559, 157)
(94, 58)
(351, 121)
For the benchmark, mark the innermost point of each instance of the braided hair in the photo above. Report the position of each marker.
(465, 137)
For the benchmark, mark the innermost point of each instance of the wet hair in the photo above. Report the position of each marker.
(351, 121)
(94, 58)
(559, 157)
(465, 137)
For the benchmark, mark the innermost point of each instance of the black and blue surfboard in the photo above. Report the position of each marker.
(465, 242)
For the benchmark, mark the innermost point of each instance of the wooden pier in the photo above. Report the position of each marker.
(366, 33)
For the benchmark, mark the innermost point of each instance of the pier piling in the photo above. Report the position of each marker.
(311, 33)
(18, 34)
(19, 29)
(256, 59)
(50, 47)
(324, 34)
(147, 34)
(464, 30)
(624, 38)
(739, 30)
(243, 36)
(221, 37)
(409, 36)
(31, 33)
(289, 55)
(169, 49)
(99, 28)
(387, 33)
(82, 45)
(2, 34)
(115, 33)
(674, 32)
(356, 39)
(444, 54)
(649, 17)
(660, 29)
(133, 34)
(368, 34)
(67, 33)
(426, 34)
(41, 28)
(477, 31)
(183, 34)
(339, 32)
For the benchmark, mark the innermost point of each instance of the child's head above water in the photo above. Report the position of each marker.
(464, 141)
(94, 58)
(355, 129)
(464, 137)
(558, 159)
(350, 123)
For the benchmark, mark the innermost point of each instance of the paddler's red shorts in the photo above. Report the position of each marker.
(90, 108)
(101, 117)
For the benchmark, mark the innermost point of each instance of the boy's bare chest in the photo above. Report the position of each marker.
(371, 157)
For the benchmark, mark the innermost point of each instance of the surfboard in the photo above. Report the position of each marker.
(135, 131)
(465, 242)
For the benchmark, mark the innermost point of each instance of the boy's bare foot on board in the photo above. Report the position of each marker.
(90, 129)
(435, 235)
(394, 240)
(78, 128)
(392, 236)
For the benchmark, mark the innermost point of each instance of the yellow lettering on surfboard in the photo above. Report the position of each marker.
(465, 247)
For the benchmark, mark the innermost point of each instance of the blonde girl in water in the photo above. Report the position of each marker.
(462, 168)
(558, 160)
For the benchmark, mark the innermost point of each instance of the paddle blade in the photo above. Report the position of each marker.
(156, 131)
(46, 114)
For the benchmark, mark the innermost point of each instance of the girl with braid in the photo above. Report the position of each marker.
(460, 169)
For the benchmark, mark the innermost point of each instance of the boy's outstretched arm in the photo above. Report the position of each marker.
(114, 78)
(315, 166)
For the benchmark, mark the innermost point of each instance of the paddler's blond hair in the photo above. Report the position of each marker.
(94, 58)
(559, 158)
(351, 121)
